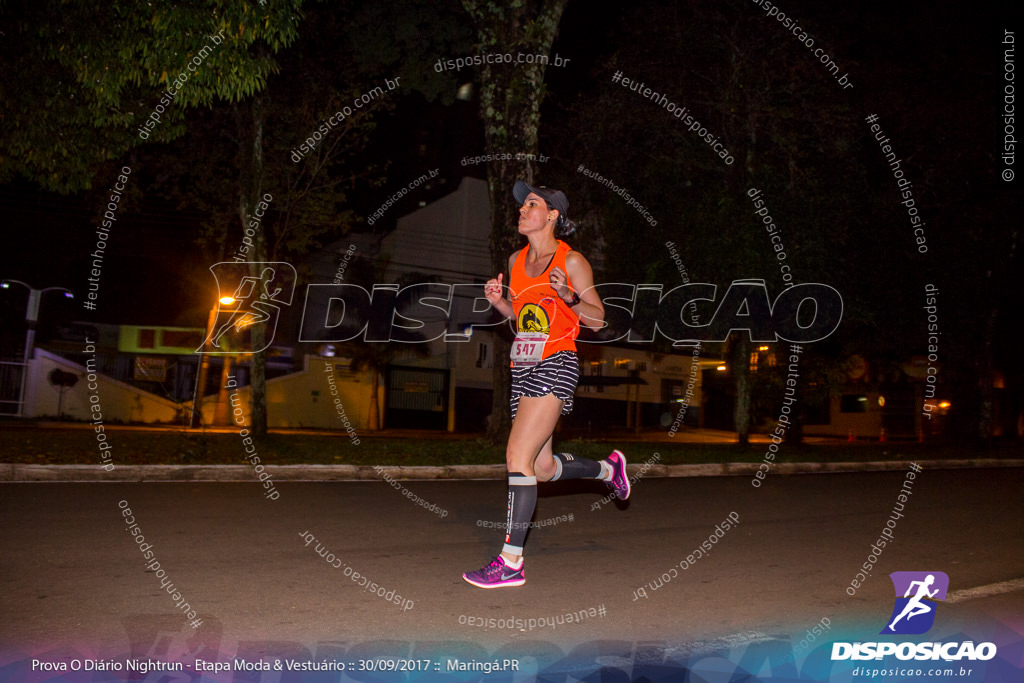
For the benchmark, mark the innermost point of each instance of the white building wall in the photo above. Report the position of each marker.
(117, 401)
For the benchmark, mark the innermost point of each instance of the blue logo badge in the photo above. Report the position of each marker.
(917, 594)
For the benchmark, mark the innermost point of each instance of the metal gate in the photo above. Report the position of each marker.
(12, 374)
(417, 398)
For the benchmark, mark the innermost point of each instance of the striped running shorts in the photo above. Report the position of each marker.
(557, 374)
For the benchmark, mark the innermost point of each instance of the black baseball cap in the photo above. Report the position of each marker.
(555, 199)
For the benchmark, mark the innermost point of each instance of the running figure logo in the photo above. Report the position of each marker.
(914, 612)
(245, 300)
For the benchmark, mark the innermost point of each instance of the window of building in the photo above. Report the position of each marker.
(853, 403)
(147, 339)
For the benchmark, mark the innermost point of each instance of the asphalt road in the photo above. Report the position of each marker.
(74, 580)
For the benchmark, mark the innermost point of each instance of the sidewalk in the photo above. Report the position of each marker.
(16, 472)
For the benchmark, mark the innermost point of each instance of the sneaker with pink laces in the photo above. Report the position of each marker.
(496, 575)
(620, 478)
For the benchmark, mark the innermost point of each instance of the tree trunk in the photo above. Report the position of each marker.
(499, 424)
(741, 374)
(795, 434)
(986, 372)
(374, 419)
(250, 189)
(510, 98)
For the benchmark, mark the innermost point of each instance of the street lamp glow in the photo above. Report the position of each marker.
(227, 300)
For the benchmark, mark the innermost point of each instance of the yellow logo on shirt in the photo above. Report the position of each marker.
(533, 318)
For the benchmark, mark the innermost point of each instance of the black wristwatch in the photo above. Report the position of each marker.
(575, 300)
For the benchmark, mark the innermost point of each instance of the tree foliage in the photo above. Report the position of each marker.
(102, 70)
(789, 133)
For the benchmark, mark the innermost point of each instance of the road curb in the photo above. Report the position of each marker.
(18, 472)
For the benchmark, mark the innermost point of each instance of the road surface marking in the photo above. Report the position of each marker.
(986, 591)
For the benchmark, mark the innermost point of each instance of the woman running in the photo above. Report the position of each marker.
(551, 293)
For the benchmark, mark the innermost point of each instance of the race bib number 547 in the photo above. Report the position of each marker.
(528, 348)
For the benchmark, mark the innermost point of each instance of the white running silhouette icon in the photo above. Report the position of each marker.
(915, 606)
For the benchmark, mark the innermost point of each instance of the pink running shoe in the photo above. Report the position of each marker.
(496, 575)
(620, 478)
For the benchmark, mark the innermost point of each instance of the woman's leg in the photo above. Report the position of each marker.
(530, 436)
(532, 428)
(551, 466)
(535, 421)
(544, 465)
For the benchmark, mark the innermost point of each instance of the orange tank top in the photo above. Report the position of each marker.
(538, 308)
